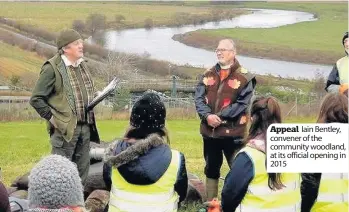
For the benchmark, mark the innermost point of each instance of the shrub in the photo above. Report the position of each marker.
(79, 25)
(95, 22)
(119, 18)
(148, 23)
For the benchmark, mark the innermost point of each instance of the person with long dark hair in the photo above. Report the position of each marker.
(248, 186)
(324, 192)
(142, 171)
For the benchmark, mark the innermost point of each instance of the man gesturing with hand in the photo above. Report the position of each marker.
(222, 97)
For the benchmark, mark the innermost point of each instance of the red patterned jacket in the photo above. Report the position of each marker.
(229, 99)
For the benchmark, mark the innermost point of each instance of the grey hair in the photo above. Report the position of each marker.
(230, 41)
(60, 51)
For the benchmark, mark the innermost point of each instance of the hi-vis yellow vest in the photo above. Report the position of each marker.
(260, 198)
(342, 66)
(159, 196)
(333, 193)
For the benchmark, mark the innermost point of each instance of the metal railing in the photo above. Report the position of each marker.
(160, 84)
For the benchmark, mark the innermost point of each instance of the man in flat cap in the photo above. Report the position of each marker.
(61, 95)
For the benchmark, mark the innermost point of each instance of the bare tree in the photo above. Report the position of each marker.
(148, 23)
(143, 63)
(217, 14)
(95, 22)
(118, 65)
(319, 85)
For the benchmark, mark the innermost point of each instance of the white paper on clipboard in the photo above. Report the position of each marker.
(103, 94)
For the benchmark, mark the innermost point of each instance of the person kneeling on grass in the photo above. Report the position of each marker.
(248, 186)
(142, 171)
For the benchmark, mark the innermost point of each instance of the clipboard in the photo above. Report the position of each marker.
(103, 94)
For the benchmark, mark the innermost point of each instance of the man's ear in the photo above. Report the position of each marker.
(64, 48)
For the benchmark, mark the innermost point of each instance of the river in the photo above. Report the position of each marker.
(159, 44)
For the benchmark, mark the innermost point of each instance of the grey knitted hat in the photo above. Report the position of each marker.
(54, 183)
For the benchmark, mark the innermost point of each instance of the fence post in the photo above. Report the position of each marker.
(9, 104)
(174, 87)
(296, 105)
(309, 103)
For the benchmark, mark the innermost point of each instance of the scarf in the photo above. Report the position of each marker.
(77, 89)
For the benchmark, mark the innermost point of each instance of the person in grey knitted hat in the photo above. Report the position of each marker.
(55, 185)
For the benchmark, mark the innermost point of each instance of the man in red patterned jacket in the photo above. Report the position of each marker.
(222, 97)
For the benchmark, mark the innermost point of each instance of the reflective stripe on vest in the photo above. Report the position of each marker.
(283, 209)
(141, 197)
(342, 66)
(333, 193)
(332, 198)
(159, 196)
(260, 197)
(260, 190)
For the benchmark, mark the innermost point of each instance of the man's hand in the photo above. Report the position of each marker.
(213, 120)
(52, 121)
(97, 93)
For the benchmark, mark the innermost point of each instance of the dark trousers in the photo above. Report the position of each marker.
(77, 150)
(213, 153)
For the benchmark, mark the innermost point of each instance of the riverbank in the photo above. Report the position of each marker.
(54, 16)
(163, 69)
(25, 64)
(307, 42)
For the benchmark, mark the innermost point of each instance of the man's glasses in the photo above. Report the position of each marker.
(223, 50)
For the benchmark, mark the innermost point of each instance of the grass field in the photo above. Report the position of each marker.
(55, 16)
(22, 144)
(15, 61)
(318, 41)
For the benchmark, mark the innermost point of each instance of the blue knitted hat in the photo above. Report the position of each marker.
(54, 183)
